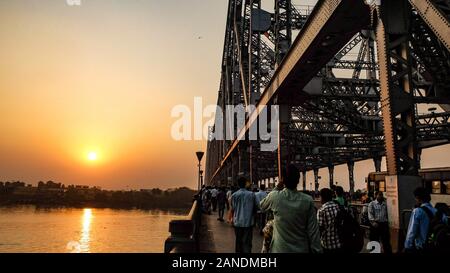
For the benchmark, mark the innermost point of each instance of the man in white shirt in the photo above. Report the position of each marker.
(229, 192)
(214, 193)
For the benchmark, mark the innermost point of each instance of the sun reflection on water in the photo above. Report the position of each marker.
(86, 230)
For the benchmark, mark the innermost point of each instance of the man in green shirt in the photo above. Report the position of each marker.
(295, 228)
(340, 196)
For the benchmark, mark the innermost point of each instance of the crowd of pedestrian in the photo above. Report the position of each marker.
(291, 222)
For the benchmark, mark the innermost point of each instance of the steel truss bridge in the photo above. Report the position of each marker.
(352, 85)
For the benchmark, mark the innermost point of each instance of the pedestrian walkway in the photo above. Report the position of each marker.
(220, 236)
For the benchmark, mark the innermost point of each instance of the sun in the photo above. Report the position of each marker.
(92, 156)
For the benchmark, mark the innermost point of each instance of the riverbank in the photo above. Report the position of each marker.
(52, 194)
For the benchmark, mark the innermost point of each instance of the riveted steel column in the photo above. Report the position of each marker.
(331, 174)
(244, 164)
(316, 181)
(351, 179)
(283, 28)
(304, 180)
(377, 163)
(283, 139)
(393, 33)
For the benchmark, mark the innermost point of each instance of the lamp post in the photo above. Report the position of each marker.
(201, 178)
(199, 157)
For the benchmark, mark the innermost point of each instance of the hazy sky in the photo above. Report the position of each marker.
(104, 77)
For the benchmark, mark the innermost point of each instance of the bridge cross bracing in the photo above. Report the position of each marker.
(356, 83)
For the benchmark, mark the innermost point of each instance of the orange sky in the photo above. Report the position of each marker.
(104, 76)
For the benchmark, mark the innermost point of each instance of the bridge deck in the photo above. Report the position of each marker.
(219, 236)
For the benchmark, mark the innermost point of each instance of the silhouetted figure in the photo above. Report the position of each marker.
(260, 215)
(295, 227)
(339, 191)
(228, 196)
(214, 193)
(206, 200)
(326, 217)
(243, 206)
(221, 201)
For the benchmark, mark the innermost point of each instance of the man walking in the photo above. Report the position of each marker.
(221, 200)
(378, 217)
(228, 196)
(260, 216)
(243, 207)
(214, 193)
(340, 199)
(295, 228)
(420, 221)
(326, 217)
(206, 200)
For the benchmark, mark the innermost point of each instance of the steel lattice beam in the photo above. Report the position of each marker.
(339, 100)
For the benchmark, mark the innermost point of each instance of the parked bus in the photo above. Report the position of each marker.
(436, 180)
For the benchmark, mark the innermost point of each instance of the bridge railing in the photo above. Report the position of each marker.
(357, 209)
(184, 232)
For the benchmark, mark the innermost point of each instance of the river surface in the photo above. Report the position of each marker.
(28, 229)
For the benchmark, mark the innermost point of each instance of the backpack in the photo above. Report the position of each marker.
(349, 231)
(438, 236)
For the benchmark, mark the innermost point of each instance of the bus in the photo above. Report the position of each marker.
(436, 180)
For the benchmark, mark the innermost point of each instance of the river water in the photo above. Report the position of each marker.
(28, 229)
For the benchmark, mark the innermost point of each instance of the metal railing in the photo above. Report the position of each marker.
(356, 209)
(184, 232)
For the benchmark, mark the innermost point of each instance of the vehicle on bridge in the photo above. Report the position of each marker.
(436, 180)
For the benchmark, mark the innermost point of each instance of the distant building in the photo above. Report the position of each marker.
(85, 191)
(25, 191)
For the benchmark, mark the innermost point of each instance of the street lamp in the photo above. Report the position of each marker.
(199, 157)
(201, 178)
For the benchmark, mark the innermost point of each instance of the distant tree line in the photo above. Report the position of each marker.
(56, 194)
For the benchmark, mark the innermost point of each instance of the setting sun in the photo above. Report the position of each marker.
(92, 156)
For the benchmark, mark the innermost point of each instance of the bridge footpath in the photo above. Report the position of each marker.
(218, 237)
(203, 233)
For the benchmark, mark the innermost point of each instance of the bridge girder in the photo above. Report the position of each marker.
(335, 48)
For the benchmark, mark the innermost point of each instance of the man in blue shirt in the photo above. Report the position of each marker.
(243, 208)
(419, 221)
(260, 215)
(379, 225)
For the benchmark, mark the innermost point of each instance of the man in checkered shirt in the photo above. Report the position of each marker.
(326, 216)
